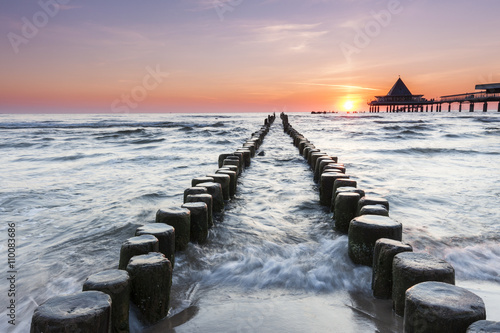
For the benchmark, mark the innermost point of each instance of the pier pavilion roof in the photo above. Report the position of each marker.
(399, 89)
(399, 93)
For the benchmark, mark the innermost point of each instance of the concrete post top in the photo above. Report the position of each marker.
(421, 261)
(373, 200)
(392, 242)
(176, 210)
(484, 326)
(348, 195)
(195, 189)
(208, 184)
(154, 228)
(152, 258)
(377, 220)
(198, 196)
(334, 175)
(203, 179)
(109, 276)
(194, 205)
(446, 296)
(61, 308)
(140, 240)
(218, 176)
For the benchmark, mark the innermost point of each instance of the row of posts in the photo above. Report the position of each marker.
(421, 286)
(420, 107)
(145, 268)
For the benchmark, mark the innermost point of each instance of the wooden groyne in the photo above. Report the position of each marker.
(144, 274)
(421, 286)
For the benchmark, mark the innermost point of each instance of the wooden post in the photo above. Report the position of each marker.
(485, 107)
(471, 107)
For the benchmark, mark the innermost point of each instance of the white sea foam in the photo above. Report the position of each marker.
(476, 262)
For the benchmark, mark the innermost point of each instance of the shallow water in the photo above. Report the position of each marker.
(78, 185)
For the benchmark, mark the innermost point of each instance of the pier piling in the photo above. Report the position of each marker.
(365, 230)
(166, 238)
(180, 219)
(151, 280)
(437, 307)
(383, 254)
(135, 246)
(116, 284)
(410, 268)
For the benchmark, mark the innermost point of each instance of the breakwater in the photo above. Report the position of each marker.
(96, 185)
(144, 274)
(421, 286)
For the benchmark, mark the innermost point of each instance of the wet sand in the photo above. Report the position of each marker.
(225, 310)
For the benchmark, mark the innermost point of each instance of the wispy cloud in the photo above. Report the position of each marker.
(293, 37)
(67, 7)
(339, 86)
(202, 5)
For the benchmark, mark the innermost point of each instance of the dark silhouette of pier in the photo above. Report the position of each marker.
(400, 99)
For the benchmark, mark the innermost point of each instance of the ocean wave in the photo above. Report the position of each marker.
(17, 145)
(433, 151)
(73, 157)
(100, 124)
(119, 134)
(319, 267)
(413, 128)
(492, 131)
(150, 197)
(487, 119)
(223, 142)
(372, 116)
(476, 262)
(134, 131)
(218, 124)
(405, 121)
(408, 132)
(146, 141)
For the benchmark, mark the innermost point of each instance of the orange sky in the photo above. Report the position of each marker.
(89, 56)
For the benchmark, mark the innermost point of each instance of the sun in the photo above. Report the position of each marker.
(348, 105)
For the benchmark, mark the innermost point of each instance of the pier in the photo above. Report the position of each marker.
(400, 99)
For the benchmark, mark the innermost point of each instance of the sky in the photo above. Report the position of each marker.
(118, 56)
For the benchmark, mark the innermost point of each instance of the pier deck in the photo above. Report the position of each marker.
(399, 99)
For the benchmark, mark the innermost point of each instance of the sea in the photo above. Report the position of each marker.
(74, 187)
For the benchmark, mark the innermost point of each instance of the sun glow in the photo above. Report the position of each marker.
(348, 105)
